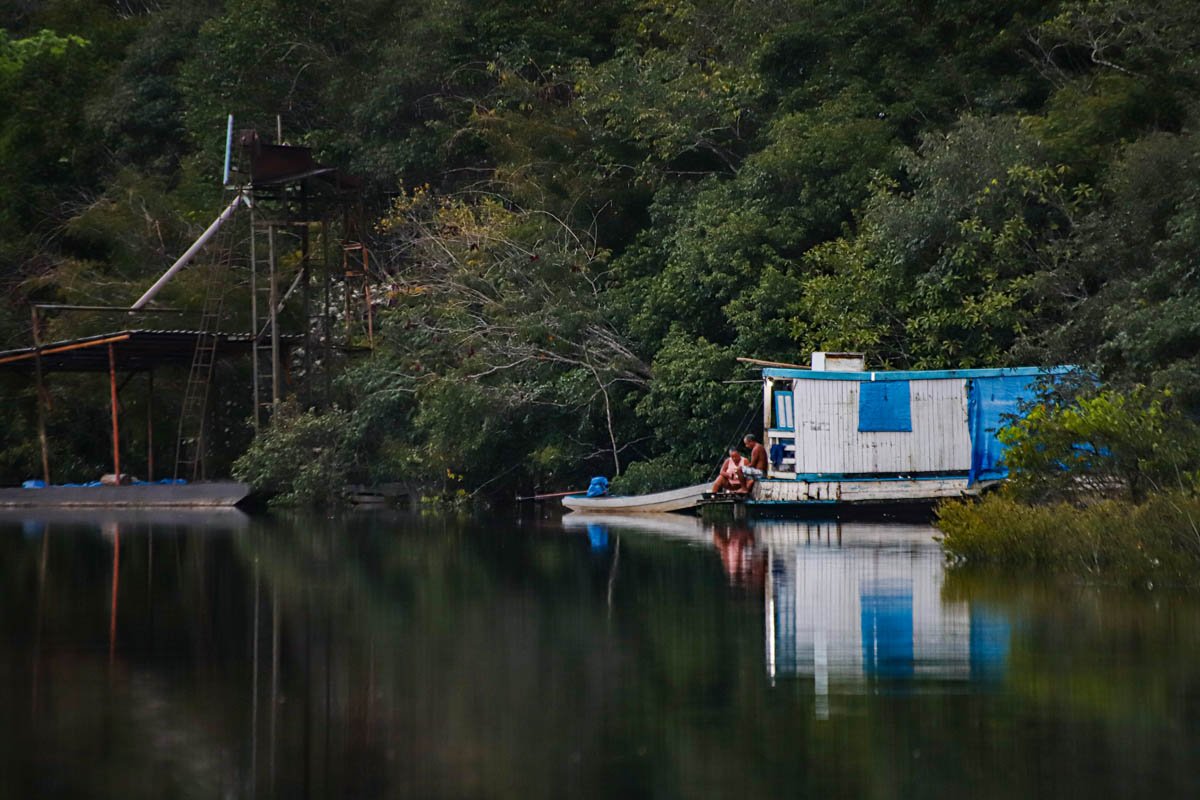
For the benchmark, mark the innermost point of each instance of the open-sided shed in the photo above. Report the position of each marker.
(127, 352)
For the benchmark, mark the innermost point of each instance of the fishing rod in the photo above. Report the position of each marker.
(552, 495)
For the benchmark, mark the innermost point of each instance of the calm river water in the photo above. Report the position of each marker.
(392, 655)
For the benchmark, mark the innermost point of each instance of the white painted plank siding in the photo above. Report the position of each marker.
(828, 439)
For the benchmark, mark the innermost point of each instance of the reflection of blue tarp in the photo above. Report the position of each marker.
(597, 536)
(887, 628)
(884, 406)
(990, 632)
(989, 400)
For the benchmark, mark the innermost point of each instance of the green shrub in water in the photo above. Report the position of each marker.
(302, 458)
(1157, 541)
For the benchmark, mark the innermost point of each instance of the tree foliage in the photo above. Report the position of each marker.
(1105, 444)
(618, 200)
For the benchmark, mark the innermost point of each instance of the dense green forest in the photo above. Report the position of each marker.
(586, 211)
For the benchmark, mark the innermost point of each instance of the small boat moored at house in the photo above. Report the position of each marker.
(673, 500)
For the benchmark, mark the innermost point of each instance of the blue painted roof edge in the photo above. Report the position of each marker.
(916, 375)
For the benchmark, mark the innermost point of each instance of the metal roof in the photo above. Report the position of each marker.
(917, 375)
(133, 350)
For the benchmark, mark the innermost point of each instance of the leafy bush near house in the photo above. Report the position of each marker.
(303, 458)
(1107, 444)
(658, 475)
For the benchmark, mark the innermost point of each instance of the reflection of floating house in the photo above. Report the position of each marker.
(840, 434)
(849, 603)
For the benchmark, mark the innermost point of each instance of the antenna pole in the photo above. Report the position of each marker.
(228, 149)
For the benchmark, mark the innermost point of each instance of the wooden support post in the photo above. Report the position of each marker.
(346, 292)
(150, 426)
(112, 387)
(274, 316)
(367, 299)
(254, 323)
(327, 366)
(306, 300)
(41, 399)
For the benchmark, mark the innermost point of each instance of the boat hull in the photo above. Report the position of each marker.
(659, 502)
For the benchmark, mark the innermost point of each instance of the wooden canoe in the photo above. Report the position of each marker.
(674, 500)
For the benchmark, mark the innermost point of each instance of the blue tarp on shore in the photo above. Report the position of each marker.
(37, 484)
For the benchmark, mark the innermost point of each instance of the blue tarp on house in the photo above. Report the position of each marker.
(989, 401)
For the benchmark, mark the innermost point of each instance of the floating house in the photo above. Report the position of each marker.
(840, 434)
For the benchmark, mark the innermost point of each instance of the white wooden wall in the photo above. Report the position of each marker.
(828, 439)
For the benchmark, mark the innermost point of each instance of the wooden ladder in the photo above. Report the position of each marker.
(190, 449)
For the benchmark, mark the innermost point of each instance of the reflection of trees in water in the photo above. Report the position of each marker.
(521, 677)
(415, 683)
(449, 658)
(99, 624)
(1134, 638)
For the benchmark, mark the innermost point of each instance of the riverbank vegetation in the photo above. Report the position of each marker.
(1104, 486)
(585, 213)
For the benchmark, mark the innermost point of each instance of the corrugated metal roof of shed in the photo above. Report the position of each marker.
(916, 375)
(132, 350)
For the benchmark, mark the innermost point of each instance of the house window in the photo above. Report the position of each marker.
(783, 412)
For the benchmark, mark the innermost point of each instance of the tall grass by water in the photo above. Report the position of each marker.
(1157, 541)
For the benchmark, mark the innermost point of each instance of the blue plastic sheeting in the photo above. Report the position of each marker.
(884, 406)
(989, 401)
(598, 487)
(36, 484)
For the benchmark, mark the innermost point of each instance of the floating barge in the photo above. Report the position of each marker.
(205, 494)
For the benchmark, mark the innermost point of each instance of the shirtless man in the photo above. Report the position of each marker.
(757, 463)
(731, 478)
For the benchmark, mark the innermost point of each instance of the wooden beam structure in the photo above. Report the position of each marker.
(116, 430)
